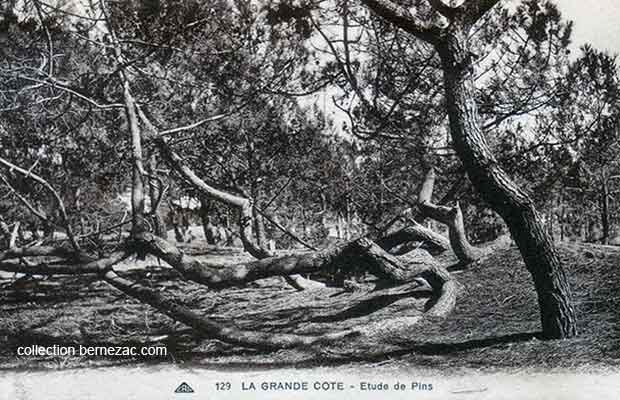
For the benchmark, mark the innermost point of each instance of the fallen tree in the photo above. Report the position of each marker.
(402, 273)
(398, 274)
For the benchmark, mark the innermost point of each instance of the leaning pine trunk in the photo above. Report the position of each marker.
(512, 203)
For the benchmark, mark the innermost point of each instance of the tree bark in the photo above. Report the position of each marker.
(605, 212)
(450, 216)
(415, 232)
(243, 205)
(207, 227)
(212, 329)
(512, 203)
(259, 228)
(489, 179)
(358, 253)
(5, 232)
(159, 224)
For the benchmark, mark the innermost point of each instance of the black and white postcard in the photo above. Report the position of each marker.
(309, 199)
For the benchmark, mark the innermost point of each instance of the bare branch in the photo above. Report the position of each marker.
(195, 124)
(50, 48)
(24, 201)
(45, 268)
(6, 232)
(63, 86)
(284, 230)
(415, 232)
(176, 162)
(137, 187)
(59, 202)
(14, 234)
(154, 132)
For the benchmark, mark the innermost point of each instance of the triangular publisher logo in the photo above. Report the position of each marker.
(184, 388)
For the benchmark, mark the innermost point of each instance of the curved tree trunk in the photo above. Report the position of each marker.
(490, 180)
(512, 203)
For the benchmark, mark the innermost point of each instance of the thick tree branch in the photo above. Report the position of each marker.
(443, 9)
(137, 188)
(176, 162)
(211, 329)
(48, 268)
(218, 276)
(473, 10)
(450, 216)
(401, 17)
(415, 232)
(361, 252)
(242, 204)
(39, 251)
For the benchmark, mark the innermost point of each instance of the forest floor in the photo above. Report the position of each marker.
(495, 326)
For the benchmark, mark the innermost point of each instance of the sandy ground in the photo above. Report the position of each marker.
(322, 383)
(485, 350)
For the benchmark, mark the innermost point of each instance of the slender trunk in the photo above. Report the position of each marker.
(5, 233)
(605, 212)
(176, 221)
(562, 217)
(259, 228)
(159, 224)
(78, 209)
(207, 227)
(137, 187)
(348, 220)
(513, 204)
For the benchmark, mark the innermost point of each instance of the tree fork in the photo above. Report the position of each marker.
(450, 216)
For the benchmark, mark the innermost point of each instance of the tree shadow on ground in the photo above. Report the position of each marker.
(422, 349)
(367, 307)
(437, 349)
